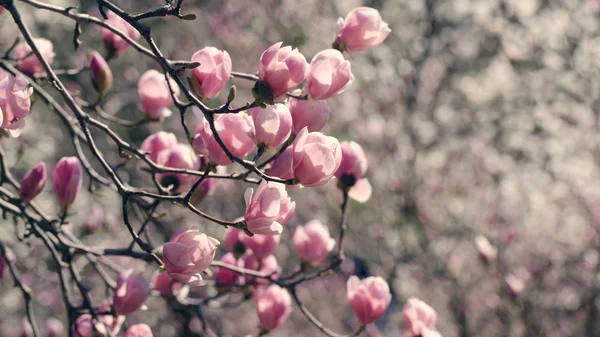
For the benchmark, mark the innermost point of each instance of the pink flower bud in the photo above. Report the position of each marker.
(212, 74)
(282, 165)
(179, 156)
(369, 297)
(157, 142)
(224, 276)
(312, 114)
(139, 330)
(233, 241)
(67, 180)
(272, 125)
(86, 326)
(281, 69)
(236, 132)
(487, 252)
(515, 285)
(313, 242)
(352, 170)
(54, 328)
(363, 28)
(101, 73)
(273, 306)
(267, 266)
(113, 42)
(187, 254)
(155, 94)
(15, 102)
(261, 245)
(94, 219)
(26, 329)
(419, 317)
(30, 64)
(268, 209)
(131, 292)
(33, 183)
(166, 286)
(316, 157)
(329, 74)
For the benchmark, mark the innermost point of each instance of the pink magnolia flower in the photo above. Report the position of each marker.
(515, 284)
(157, 142)
(273, 306)
(487, 251)
(15, 102)
(224, 276)
(94, 219)
(67, 180)
(179, 156)
(233, 241)
(212, 74)
(352, 170)
(139, 330)
(268, 208)
(33, 183)
(281, 69)
(166, 286)
(26, 329)
(131, 292)
(316, 157)
(113, 42)
(282, 166)
(329, 74)
(188, 253)
(101, 73)
(86, 326)
(313, 242)
(419, 317)
(54, 328)
(267, 266)
(272, 125)
(312, 114)
(155, 94)
(261, 245)
(30, 64)
(361, 29)
(369, 297)
(236, 132)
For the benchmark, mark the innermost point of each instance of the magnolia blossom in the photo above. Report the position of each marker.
(101, 73)
(352, 170)
(188, 253)
(268, 208)
(131, 292)
(312, 114)
(419, 317)
(361, 29)
(233, 241)
(260, 245)
(157, 142)
(115, 43)
(30, 64)
(236, 132)
(224, 276)
(33, 183)
(329, 75)
(316, 158)
(212, 74)
(281, 69)
(369, 297)
(67, 180)
(155, 94)
(54, 328)
(272, 125)
(487, 251)
(313, 242)
(86, 326)
(273, 306)
(282, 166)
(166, 286)
(179, 156)
(267, 266)
(139, 330)
(15, 102)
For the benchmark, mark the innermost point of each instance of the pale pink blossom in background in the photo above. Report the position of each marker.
(113, 41)
(369, 297)
(312, 114)
(188, 253)
(224, 276)
(329, 75)
(313, 242)
(419, 317)
(15, 102)
(487, 252)
(139, 330)
(268, 208)
(157, 142)
(273, 306)
(130, 293)
(30, 64)
(282, 69)
(180, 156)
(53, 328)
(155, 94)
(235, 130)
(282, 166)
(352, 171)
(260, 245)
(362, 28)
(268, 266)
(212, 74)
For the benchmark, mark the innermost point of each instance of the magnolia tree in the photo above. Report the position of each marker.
(272, 145)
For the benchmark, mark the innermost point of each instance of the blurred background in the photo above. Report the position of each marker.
(480, 121)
